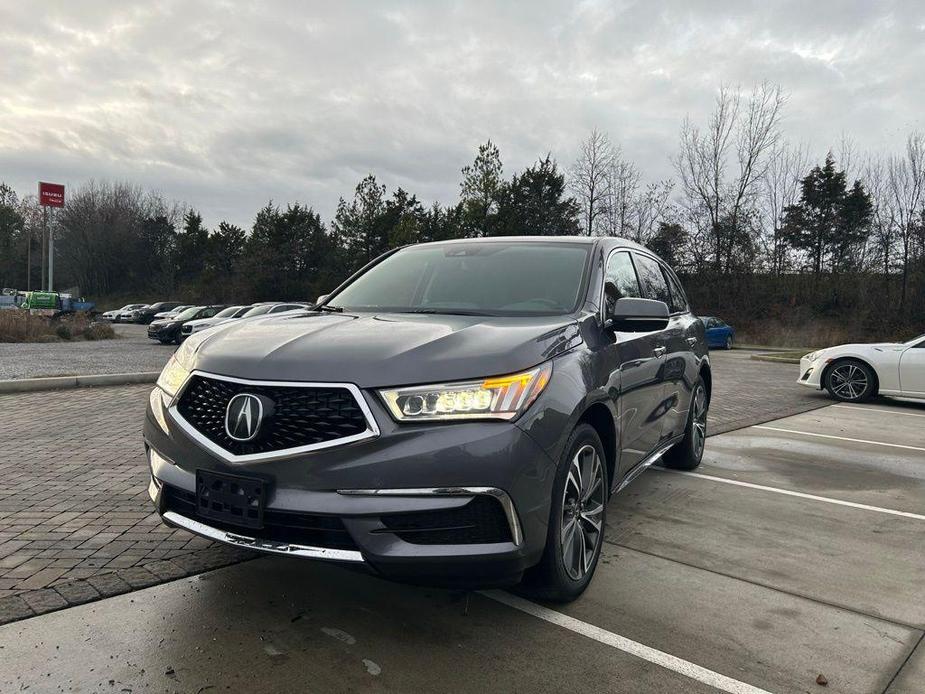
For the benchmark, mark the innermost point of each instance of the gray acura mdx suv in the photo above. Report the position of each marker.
(455, 413)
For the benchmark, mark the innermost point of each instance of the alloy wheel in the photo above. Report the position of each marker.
(582, 512)
(848, 381)
(699, 421)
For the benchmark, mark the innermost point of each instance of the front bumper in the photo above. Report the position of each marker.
(811, 373)
(420, 471)
(158, 332)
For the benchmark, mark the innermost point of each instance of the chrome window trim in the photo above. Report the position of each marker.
(372, 428)
(507, 505)
(291, 550)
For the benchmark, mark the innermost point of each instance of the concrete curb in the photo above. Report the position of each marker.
(775, 359)
(29, 385)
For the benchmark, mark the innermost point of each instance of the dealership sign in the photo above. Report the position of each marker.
(51, 194)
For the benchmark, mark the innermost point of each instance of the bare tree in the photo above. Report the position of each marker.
(622, 182)
(906, 181)
(588, 178)
(720, 166)
(650, 208)
(780, 188)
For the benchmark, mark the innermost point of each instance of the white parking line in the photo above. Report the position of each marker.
(801, 495)
(875, 409)
(608, 638)
(839, 438)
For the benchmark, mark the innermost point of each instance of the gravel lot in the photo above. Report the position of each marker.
(132, 352)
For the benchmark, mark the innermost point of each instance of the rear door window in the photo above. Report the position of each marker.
(678, 302)
(651, 279)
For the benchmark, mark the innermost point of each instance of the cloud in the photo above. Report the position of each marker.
(228, 104)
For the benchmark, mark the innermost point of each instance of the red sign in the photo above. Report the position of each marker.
(51, 194)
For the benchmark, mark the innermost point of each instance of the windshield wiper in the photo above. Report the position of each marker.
(329, 309)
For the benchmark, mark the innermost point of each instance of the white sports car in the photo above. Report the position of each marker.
(857, 372)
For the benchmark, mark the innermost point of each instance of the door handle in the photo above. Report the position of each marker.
(692, 341)
(659, 351)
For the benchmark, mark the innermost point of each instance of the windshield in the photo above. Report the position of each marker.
(228, 312)
(480, 278)
(190, 313)
(257, 311)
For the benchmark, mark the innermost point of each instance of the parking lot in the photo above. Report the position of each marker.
(794, 551)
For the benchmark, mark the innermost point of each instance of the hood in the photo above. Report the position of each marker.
(377, 350)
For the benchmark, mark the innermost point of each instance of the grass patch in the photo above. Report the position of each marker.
(21, 326)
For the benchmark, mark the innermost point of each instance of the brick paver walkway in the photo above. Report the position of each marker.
(76, 523)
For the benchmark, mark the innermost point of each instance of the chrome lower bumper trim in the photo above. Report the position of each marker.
(304, 551)
(502, 497)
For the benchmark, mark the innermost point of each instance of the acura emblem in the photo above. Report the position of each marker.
(243, 417)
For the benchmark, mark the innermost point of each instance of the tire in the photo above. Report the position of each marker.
(729, 342)
(567, 567)
(165, 342)
(850, 380)
(688, 452)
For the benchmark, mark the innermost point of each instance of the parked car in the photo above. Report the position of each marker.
(720, 335)
(172, 312)
(855, 373)
(230, 313)
(167, 330)
(458, 413)
(147, 314)
(262, 309)
(128, 315)
(113, 316)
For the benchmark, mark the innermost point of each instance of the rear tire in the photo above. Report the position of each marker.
(729, 342)
(850, 380)
(577, 518)
(688, 452)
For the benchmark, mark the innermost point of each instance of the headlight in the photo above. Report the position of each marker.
(498, 397)
(178, 368)
(173, 376)
(812, 356)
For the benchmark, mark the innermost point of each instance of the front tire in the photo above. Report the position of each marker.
(850, 380)
(688, 452)
(578, 516)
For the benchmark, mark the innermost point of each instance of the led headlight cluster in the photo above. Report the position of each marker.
(179, 366)
(501, 397)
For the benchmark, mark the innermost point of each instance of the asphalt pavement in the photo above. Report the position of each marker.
(130, 352)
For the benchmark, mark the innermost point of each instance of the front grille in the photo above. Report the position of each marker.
(482, 520)
(278, 526)
(294, 417)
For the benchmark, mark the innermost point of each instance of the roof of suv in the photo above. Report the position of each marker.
(609, 241)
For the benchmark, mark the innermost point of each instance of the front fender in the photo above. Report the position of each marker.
(572, 390)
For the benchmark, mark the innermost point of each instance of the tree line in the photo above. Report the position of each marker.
(758, 226)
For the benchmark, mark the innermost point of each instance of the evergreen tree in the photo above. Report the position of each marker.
(828, 222)
(192, 248)
(360, 226)
(534, 203)
(480, 190)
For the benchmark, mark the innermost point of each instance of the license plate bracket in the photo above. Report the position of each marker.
(233, 499)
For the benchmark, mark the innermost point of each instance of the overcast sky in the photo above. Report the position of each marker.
(226, 104)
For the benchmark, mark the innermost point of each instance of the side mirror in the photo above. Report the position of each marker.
(637, 316)
(321, 299)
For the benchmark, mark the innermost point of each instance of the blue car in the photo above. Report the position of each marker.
(720, 335)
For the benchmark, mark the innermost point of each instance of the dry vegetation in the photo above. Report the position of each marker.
(21, 326)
